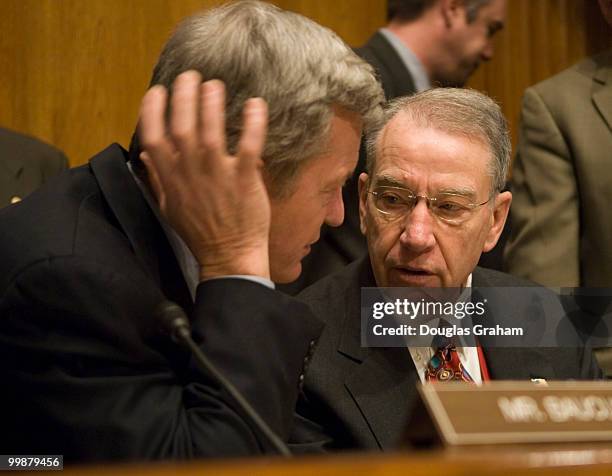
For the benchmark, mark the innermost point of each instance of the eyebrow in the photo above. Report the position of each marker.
(389, 181)
(344, 180)
(348, 177)
(495, 26)
(341, 181)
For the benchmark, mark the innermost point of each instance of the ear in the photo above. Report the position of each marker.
(363, 197)
(452, 11)
(500, 214)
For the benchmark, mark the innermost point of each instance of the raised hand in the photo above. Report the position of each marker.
(216, 202)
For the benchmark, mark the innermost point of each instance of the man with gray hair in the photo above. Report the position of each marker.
(430, 203)
(426, 43)
(249, 130)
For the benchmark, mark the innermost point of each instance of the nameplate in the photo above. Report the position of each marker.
(505, 412)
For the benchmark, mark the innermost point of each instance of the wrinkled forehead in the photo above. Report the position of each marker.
(410, 149)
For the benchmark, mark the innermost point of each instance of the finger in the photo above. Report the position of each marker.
(253, 138)
(184, 114)
(212, 129)
(152, 128)
(154, 180)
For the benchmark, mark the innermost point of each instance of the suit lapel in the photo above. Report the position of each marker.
(384, 389)
(384, 380)
(383, 383)
(11, 180)
(403, 84)
(602, 89)
(511, 363)
(139, 223)
(12, 163)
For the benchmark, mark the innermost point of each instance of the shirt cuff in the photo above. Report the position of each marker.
(256, 279)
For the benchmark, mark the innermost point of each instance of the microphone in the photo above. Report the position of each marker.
(176, 323)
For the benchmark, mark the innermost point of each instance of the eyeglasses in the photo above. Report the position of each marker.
(396, 202)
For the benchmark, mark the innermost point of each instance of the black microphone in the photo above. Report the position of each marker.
(176, 323)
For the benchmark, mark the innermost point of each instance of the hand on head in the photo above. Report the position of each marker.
(216, 202)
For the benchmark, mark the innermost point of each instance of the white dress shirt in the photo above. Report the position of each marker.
(467, 355)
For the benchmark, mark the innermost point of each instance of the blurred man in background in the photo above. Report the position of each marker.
(562, 181)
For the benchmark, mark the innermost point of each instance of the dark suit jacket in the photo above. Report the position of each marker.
(25, 163)
(394, 77)
(358, 397)
(86, 371)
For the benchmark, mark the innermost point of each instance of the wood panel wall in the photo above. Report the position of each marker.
(72, 72)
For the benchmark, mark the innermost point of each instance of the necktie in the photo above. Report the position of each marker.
(445, 365)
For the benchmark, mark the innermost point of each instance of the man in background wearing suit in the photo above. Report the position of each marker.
(25, 164)
(426, 43)
(562, 177)
(210, 206)
(430, 204)
(562, 180)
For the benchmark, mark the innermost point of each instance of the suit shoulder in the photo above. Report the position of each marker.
(327, 296)
(369, 54)
(567, 82)
(30, 150)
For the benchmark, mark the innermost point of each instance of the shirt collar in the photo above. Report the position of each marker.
(187, 262)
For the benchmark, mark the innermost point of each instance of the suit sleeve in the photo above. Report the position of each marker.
(544, 241)
(88, 375)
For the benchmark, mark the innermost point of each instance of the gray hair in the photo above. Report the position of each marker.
(408, 10)
(456, 111)
(300, 68)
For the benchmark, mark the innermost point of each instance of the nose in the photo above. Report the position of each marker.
(487, 52)
(418, 234)
(335, 210)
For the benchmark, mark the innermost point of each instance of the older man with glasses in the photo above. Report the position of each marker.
(430, 203)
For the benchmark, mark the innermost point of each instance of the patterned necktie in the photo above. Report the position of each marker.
(445, 365)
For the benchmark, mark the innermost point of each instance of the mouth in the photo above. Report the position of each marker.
(414, 270)
(307, 249)
(411, 275)
(311, 244)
